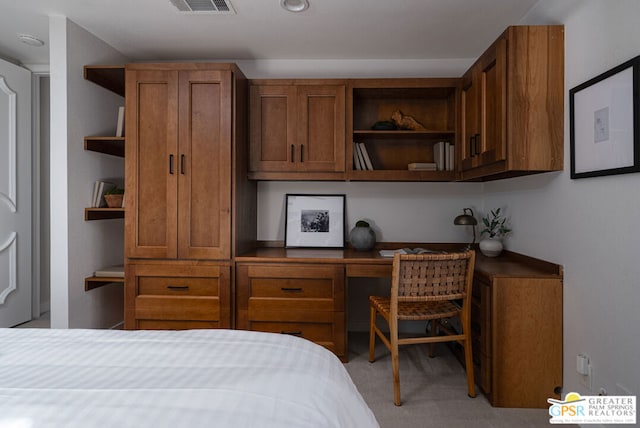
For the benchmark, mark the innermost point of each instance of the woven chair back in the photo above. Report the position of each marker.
(431, 277)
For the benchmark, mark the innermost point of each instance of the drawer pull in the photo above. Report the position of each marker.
(291, 289)
(178, 287)
(292, 333)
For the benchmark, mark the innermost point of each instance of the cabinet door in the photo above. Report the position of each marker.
(204, 165)
(151, 163)
(321, 128)
(272, 119)
(470, 105)
(492, 145)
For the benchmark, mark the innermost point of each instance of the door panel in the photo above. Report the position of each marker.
(152, 163)
(493, 109)
(204, 195)
(15, 195)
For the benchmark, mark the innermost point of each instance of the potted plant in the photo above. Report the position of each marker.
(113, 197)
(495, 225)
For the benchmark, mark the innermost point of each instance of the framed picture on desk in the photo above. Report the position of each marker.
(314, 221)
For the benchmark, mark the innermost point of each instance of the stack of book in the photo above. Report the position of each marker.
(444, 156)
(361, 159)
(99, 189)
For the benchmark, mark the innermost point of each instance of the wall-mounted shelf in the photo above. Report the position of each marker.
(107, 145)
(103, 213)
(110, 77)
(96, 282)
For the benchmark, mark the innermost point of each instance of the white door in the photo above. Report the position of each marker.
(15, 195)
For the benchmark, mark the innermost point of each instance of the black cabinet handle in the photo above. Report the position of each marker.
(293, 153)
(178, 287)
(476, 144)
(291, 289)
(292, 333)
(301, 152)
(182, 164)
(471, 145)
(171, 164)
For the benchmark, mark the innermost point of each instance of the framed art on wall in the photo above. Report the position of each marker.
(314, 221)
(604, 124)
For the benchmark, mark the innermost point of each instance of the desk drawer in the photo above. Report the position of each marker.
(292, 288)
(178, 286)
(369, 270)
(177, 308)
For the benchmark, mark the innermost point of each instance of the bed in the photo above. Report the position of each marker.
(191, 378)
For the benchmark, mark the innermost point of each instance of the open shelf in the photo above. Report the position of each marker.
(107, 145)
(96, 282)
(103, 213)
(110, 77)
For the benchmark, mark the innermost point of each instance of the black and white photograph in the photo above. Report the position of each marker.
(604, 123)
(314, 221)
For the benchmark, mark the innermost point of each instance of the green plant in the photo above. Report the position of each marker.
(115, 191)
(495, 225)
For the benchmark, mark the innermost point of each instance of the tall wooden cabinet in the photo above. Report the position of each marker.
(188, 199)
(512, 106)
(297, 129)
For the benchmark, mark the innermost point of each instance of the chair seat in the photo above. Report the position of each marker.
(416, 310)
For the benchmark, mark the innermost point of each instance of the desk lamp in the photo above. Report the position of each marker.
(467, 219)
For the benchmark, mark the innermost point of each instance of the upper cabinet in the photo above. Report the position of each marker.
(178, 161)
(297, 129)
(512, 106)
(423, 113)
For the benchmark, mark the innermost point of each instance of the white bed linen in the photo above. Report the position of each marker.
(192, 378)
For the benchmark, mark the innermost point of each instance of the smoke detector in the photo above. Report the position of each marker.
(218, 7)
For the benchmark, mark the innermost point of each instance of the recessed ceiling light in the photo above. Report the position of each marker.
(294, 5)
(30, 40)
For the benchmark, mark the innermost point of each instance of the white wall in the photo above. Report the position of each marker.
(588, 225)
(80, 108)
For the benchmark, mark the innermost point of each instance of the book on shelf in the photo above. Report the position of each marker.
(443, 156)
(99, 189)
(365, 156)
(356, 157)
(120, 124)
(451, 159)
(110, 272)
(422, 166)
(407, 250)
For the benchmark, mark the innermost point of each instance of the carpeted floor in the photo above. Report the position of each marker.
(433, 391)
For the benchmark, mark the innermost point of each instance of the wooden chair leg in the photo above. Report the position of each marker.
(468, 362)
(372, 335)
(395, 367)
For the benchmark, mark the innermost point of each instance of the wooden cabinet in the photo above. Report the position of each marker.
(177, 295)
(431, 102)
(516, 324)
(305, 300)
(297, 129)
(188, 196)
(512, 106)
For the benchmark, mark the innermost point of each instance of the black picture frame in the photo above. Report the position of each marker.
(314, 221)
(604, 123)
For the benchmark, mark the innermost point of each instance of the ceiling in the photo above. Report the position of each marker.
(330, 29)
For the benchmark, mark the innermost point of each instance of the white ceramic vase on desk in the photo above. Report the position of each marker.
(491, 247)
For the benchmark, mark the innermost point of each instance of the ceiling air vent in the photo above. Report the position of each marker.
(204, 6)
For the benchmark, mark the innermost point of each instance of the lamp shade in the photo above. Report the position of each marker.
(465, 219)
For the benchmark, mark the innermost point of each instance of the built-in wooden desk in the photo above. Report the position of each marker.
(516, 312)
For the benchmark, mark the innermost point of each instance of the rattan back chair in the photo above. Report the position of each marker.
(428, 287)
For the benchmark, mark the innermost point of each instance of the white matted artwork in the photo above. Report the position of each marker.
(604, 123)
(314, 221)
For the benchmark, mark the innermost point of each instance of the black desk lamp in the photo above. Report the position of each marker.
(467, 219)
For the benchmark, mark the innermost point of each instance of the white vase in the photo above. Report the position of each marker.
(491, 247)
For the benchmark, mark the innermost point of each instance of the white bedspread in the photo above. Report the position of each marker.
(192, 378)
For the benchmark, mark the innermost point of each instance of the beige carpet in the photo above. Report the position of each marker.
(433, 391)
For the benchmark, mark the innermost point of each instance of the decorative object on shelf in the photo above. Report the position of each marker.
(467, 218)
(384, 125)
(362, 237)
(114, 197)
(604, 123)
(495, 226)
(406, 122)
(314, 221)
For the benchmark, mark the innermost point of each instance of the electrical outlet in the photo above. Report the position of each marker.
(586, 379)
